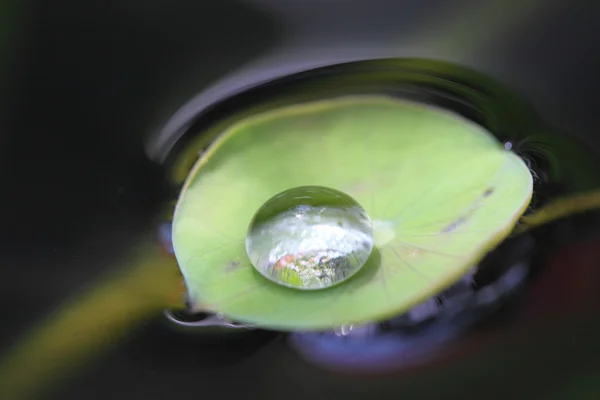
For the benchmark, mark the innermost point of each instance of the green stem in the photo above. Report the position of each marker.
(559, 209)
(90, 323)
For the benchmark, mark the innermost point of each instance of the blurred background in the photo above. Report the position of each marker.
(89, 90)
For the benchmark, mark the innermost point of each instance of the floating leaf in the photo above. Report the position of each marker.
(440, 190)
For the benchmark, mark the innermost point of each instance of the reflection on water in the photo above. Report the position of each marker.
(203, 321)
(412, 338)
(165, 237)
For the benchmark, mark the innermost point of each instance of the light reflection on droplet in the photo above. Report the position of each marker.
(309, 237)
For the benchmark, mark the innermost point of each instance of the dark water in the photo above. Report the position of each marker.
(86, 85)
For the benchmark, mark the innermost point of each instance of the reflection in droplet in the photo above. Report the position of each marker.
(309, 237)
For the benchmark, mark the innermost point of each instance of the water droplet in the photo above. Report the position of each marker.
(295, 238)
(343, 330)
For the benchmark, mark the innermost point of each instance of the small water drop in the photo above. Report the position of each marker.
(343, 330)
(295, 239)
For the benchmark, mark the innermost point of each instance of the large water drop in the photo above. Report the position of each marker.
(309, 237)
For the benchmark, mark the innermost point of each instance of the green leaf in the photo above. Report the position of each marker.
(441, 192)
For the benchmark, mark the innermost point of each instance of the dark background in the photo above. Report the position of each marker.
(86, 86)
